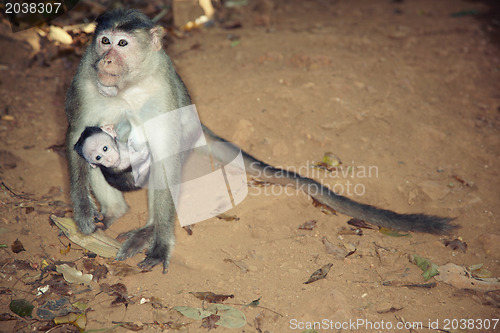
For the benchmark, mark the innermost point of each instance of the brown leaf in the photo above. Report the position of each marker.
(463, 181)
(324, 208)
(308, 225)
(210, 297)
(258, 321)
(129, 326)
(210, 321)
(17, 246)
(319, 274)
(118, 268)
(227, 217)
(361, 224)
(334, 249)
(189, 229)
(239, 263)
(456, 245)
(7, 316)
(350, 231)
(97, 270)
(119, 290)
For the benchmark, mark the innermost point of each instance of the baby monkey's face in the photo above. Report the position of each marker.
(101, 149)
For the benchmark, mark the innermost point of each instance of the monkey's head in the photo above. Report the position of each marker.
(98, 147)
(124, 41)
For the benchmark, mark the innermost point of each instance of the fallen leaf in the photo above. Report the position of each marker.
(456, 245)
(73, 275)
(361, 224)
(227, 217)
(458, 277)
(308, 225)
(258, 321)
(51, 309)
(210, 321)
(239, 263)
(392, 233)
(323, 208)
(21, 307)
(319, 274)
(350, 231)
(255, 303)
(17, 246)
(193, 313)
(97, 242)
(118, 268)
(329, 162)
(429, 268)
(229, 316)
(119, 290)
(478, 271)
(77, 319)
(7, 316)
(65, 250)
(334, 249)
(210, 297)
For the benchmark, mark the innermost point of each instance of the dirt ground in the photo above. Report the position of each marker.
(406, 94)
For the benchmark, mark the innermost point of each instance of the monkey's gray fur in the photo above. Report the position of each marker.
(142, 94)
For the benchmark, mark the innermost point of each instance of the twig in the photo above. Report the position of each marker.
(13, 193)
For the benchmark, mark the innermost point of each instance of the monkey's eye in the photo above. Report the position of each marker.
(122, 42)
(105, 148)
(105, 40)
(98, 158)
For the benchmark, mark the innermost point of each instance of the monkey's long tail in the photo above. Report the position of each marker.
(381, 217)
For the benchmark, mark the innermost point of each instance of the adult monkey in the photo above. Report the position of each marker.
(125, 77)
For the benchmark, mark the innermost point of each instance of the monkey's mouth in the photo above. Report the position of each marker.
(108, 79)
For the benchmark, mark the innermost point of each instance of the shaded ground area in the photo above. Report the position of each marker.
(405, 93)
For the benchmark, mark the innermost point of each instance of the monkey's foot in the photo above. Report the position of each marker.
(87, 222)
(148, 263)
(136, 241)
(157, 254)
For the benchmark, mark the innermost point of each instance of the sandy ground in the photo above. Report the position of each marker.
(400, 90)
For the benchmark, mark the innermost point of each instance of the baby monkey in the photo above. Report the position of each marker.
(100, 148)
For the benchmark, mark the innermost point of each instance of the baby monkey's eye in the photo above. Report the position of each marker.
(122, 42)
(98, 157)
(105, 148)
(105, 40)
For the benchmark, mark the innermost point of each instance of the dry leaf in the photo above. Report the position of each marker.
(361, 224)
(239, 263)
(210, 321)
(458, 277)
(17, 246)
(334, 249)
(97, 242)
(211, 297)
(73, 275)
(456, 245)
(308, 225)
(323, 208)
(319, 274)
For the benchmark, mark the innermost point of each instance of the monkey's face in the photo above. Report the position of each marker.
(120, 55)
(101, 149)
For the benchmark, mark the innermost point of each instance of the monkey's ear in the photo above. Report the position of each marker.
(110, 129)
(157, 34)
